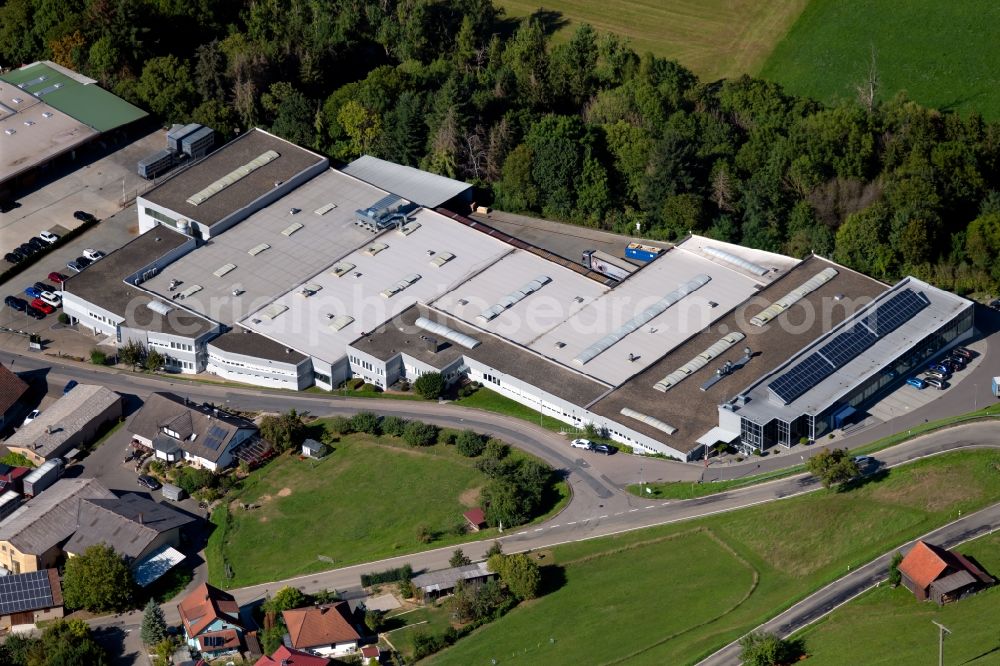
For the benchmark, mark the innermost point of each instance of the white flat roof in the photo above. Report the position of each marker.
(299, 245)
(566, 294)
(775, 265)
(420, 187)
(726, 287)
(762, 405)
(403, 268)
(49, 133)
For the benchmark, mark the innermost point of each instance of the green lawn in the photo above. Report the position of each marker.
(363, 502)
(795, 546)
(903, 633)
(942, 53)
(713, 38)
(491, 401)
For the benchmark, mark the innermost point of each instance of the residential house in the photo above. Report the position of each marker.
(285, 656)
(177, 429)
(28, 598)
(211, 620)
(73, 420)
(439, 583)
(12, 390)
(476, 518)
(139, 530)
(931, 572)
(31, 538)
(327, 630)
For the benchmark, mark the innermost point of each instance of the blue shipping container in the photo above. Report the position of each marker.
(642, 252)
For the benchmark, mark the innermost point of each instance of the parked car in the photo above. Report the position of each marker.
(42, 306)
(963, 352)
(93, 255)
(73, 266)
(26, 249)
(42, 286)
(937, 367)
(21, 256)
(32, 292)
(84, 216)
(31, 417)
(83, 261)
(51, 299)
(916, 382)
(939, 384)
(582, 444)
(37, 243)
(48, 237)
(149, 482)
(34, 312)
(934, 374)
(604, 448)
(12, 258)
(15, 303)
(69, 386)
(58, 278)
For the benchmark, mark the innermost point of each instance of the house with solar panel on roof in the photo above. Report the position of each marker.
(28, 598)
(177, 429)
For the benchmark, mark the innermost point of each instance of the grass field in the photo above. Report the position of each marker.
(361, 503)
(794, 547)
(713, 38)
(904, 633)
(491, 401)
(942, 53)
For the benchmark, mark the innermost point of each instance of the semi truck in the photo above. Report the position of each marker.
(605, 264)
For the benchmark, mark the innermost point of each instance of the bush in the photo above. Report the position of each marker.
(895, 578)
(519, 573)
(286, 431)
(430, 386)
(340, 425)
(193, 479)
(466, 390)
(404, 385)
(371, 388)
(374, 619)
(366, 422)
(63, 318)
(418, 433)
(469, 443)
(393, 425)
(425, 645)
(97, 357)
(424, 533)
(403, 573)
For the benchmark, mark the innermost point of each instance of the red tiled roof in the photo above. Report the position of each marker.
(204, 605)
(924, 563)
(370, 652)
(320, 625)
(12, 388)
(231, 640)
(475, 516)
(292, 658)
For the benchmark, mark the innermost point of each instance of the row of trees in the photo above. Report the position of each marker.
(63, 642)
(586, 130)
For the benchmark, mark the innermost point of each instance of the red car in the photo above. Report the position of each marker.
(57, 278)
(39, 304)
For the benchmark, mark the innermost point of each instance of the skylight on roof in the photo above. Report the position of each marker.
(191, 291)
(272, 311)
(224, 269)
(257, 249)
(375, 248)
(232, 177)
(291, 229)
(323, 210)
(342, 268)
(408, 228)
(441, 259)
(340, 321)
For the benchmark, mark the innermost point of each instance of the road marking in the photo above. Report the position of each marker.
(573, 523)
(601, 517)
(552, 527)
(651, 506)
(632, 510)
(520, 533)
(539, 529)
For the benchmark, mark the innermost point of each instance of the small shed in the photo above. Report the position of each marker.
(313, 449)
(172, 492)
(370, 654)
(476, 519)
(996, 387)
(439, 583)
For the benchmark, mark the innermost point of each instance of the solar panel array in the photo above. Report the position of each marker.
(847, 345)
(215, 437)
(25, 592)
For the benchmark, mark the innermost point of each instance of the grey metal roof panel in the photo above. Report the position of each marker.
(420, 187)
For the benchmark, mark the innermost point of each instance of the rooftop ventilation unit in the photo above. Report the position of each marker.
(698, 362)
(644, 317)
(793, 297)
(648, 420)
(514, 297)
(232, 177)
(739, 262)
(383, 214)
(447, 333)
(341, 269)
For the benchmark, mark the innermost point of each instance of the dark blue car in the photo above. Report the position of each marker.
(69, 386)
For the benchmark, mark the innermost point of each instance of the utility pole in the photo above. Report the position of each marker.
(942, 630)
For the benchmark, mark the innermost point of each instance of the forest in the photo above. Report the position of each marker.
(586, 131)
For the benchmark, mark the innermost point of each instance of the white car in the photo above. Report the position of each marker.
(582, 444)
(31, 417)
(51, 299)
(93, 255)
(48, 237)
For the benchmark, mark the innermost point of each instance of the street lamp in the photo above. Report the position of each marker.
(942, 630)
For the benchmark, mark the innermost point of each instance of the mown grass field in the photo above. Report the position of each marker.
(713, 38)
(793, 547)
(942, 53)
(904, 633)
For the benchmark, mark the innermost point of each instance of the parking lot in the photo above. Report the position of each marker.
(94, 187)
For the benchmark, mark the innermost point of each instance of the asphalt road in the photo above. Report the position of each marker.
(834, 595)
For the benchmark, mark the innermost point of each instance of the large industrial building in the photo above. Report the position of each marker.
(48, 112)
(261, 264)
